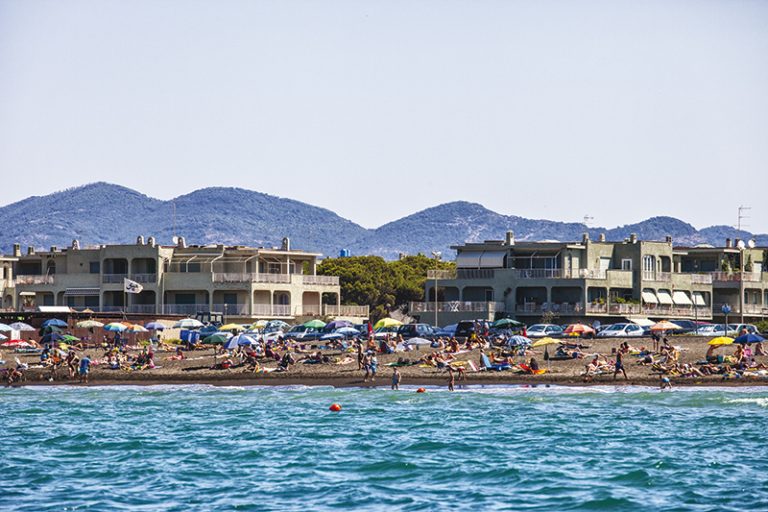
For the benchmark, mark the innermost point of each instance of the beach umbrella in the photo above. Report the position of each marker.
(14, 343)
(315, 324)
(239, 340)
(155, 326)
(722, 340)
(507, 323)
(137, 328)
(665, 325)
(348, 331)
(546, 341)
(259, 324)
(278, 323)
(3, 337)
(5, 328)
(232, 327)
(89, 324)
(217, 338)
(579, 329)
(22, 327)
(115, 327)
(68, 338)
(749, 338)
(188, 323)
(54, 322)
(332, 336)
(51, 338)
(387, 322)
(337, 324)
(519, 341)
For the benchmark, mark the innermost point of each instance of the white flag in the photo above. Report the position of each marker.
(131, 286)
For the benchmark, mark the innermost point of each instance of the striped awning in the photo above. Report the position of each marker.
(698, 299)
(664, 298)
(81, 292)
(681, 299)
(649, 297)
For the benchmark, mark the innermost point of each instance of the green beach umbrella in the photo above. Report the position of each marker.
(507, 322)
(217, 338)
(315, 324)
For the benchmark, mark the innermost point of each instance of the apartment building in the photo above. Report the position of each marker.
(597, 280)
(176, 280)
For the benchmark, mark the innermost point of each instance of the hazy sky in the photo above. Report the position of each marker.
(376, 109)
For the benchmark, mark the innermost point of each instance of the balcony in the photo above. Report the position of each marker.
(532, 308)
(456, 307)
(232, 309)
(559, 273)
(30, 279)
(185, 309)
(318, 280)
(475, 273)
(352, 310)
(272, 310)
(144, 278)
(701, 278)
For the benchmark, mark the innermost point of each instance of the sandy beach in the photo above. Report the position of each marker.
(196, 369)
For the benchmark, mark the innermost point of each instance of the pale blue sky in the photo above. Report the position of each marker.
(376, 109)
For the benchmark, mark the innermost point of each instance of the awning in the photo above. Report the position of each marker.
(468, 259)
(642, 322)
(664, 298)
(88, 292)
(54, 309)
(681, 299)
(492, 259)
(27, 294)
(698, 299)
(649, 298)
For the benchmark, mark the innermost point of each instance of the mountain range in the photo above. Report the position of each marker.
(101, 213)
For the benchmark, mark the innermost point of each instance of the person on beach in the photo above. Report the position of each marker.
(72, 363)
(665, 383)
(451, 379)
(619, 366)
(396, 378)
(85, 367)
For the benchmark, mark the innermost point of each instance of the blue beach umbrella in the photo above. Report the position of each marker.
(115, 327)
(155, 326)
(519, 341)
(239, 340)
(55, 322)
(51, 338)
(751, 337)
(4, 327)
(337, 324)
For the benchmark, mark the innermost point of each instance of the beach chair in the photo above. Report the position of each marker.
(493, 367)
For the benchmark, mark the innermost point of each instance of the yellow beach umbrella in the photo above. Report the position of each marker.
(546, 341)
(387, 322)
(722, 340)
(232, 327)
(665, 325)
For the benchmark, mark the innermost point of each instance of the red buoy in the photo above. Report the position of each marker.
(335, 407)
(421, 390)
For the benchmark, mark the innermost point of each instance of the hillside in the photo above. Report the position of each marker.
(107, 213)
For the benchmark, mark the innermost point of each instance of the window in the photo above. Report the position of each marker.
(649, 263)
(230, 298)
(489, 295)
(626, 264)
(185, 298)
(94, 267)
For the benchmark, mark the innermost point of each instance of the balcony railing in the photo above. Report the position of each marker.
(30, 279)
(456, 307)
(318, 280)
(113, 278)
(351, 310)
(652, 275)
(701, 278)
(563, 307)
(232, 309)
(144, 278)
(272, 310)
(475, 273)
(185, 309)
(238, 277)
(559, 273)
(750, 277)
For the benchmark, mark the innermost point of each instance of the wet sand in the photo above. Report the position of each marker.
(196, 370)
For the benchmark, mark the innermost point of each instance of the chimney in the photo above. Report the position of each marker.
(584, 238)
(286, 244)
(75, 245)
(182, 243)
(54, 248)
(140, 240)
(151, 241)
(736, 242)
(668, 239)
(30, 250)
(728, 244)
(509, 239)
(633, 238)
(17, 250)
(601, 237)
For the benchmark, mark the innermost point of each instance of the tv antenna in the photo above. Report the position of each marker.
(742, 216)
(174, 238)
(588, 220)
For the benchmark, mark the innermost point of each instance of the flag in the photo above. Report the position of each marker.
(131, 286)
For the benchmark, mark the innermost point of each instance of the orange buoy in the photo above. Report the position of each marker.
(335, 407)
(421, 390)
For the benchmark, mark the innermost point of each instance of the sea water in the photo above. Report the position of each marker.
(180, 448)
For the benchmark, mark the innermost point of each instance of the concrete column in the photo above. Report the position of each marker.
(250, 300)
(210, 300)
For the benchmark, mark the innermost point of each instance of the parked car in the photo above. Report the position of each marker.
(739, 328)
(467, 327)
(448, 331)
(302, 332)
(384, 332)
(621, 331)
(542, 330)
(688, 326)
(416, 331)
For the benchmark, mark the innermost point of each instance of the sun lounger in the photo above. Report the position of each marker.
(493, 367)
